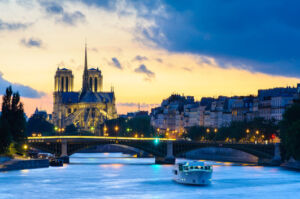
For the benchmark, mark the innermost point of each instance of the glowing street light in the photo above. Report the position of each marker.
(207, 130)
(105, 131)
(247, 130)
(92, 129)
(25, 146)
(215, 130)
(257, 132)
(116, 128)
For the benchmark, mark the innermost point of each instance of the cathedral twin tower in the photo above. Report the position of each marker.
(92, 79)
(86, 109)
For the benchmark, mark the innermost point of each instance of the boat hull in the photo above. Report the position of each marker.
(193, 178)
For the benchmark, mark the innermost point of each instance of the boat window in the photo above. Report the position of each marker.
(185, 168)
(180, 167)
(191, 167)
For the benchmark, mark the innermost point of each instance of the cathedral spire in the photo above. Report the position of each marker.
(85, 82)
(85, 58)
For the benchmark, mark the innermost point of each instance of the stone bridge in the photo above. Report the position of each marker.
(165, 150)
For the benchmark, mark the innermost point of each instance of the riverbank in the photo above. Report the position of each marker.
(19, 164)
(292, 164)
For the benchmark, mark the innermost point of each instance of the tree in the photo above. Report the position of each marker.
(71, 130)
(196, 133)
(12, 121)
(129, 127)
(5, 136)
(290, 133)
(38, 124)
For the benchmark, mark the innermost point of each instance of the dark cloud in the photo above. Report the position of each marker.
(73, 18)
(56, 9)
(25, 91)
(258, 35)
(116, 63)
(12, 26)
(105, 4)
(32, 42)
(140, 58)
(144, 70)
(52, 7)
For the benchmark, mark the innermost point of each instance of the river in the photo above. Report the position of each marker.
(115, 175)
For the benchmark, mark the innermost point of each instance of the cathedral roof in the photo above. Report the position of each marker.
(70, 97)
(87, 97)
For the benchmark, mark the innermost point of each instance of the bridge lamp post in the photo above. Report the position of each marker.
(247, 132)
(92, 129)
(25, 147)
(157, 131)
(105, 131)
(257, 133)
(216, 131)
(116, 129)
(207, 131)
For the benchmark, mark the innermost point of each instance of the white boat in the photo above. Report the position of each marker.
(193, 173)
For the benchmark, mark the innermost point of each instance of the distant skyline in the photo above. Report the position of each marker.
(148, 50)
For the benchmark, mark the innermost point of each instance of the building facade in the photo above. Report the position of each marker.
(179, 112)
(86, 109)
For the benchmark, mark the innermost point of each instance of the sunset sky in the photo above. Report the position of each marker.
(148, 50)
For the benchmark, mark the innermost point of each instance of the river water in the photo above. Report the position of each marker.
(107, 175)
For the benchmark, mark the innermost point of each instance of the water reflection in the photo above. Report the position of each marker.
(120, 176)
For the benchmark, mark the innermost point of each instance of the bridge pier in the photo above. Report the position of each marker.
(275, 161)
(169, 158)
(64, 152)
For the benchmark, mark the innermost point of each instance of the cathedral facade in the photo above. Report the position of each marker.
(86, 109)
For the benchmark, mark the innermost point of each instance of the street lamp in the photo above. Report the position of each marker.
(25, 147)
(247, 131)
(116, 129)
(215, 130)
(92, 129)
(105, 130)
(207, 130)
(257, 132)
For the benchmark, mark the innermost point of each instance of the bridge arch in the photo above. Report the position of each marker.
(72, 146)
(257, 150)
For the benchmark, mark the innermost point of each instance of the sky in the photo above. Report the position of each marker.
(148, 50)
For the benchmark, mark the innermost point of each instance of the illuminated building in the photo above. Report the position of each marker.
(86, 109)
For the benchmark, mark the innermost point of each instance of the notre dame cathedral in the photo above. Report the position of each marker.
(86, 109)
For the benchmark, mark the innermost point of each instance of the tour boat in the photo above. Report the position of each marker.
(193, 173)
